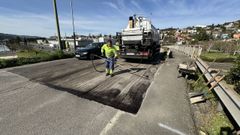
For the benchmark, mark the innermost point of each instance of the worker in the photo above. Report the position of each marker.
(109, 51)
(117, 48)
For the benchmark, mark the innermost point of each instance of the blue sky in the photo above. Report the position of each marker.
(35, 17)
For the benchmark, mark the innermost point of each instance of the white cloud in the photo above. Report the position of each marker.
(111, 4)
(136, 5)
(44, 25)
(120, 7)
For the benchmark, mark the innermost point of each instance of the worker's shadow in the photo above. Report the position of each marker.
(130, 70)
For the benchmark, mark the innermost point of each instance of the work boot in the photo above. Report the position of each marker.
(111, 72)
(107, 72)
(112, 75)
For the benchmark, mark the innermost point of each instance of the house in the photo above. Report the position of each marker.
(69, 43)
(184, 30)
(208, 32)
(41, 41)
(192, 31)
(217, 29)
(236, 36)
(100, 39)
(225, 36)
(200, 26)
(6, 53)
(53, 42)
(229, 25)
(4, 48)
(216, 34)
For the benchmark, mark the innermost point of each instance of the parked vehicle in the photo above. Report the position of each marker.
(140, 40)
(92, 48)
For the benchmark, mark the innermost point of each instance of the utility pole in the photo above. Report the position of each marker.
(57, 24)
(73, 26)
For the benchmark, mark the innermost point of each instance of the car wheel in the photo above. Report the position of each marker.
(89, 56)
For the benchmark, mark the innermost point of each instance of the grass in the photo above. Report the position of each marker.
(29, 57)
(213, 122)
(219, 125)
(200, 86)
(32, 53)
(220, 57)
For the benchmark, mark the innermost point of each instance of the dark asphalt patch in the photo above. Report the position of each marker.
(128, 102)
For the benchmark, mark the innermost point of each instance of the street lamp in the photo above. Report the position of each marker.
(73, 26)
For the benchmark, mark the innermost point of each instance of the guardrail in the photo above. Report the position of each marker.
(191, 51)
(229, 98)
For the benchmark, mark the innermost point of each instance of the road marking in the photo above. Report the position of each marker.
(111, 123)
(171, 129)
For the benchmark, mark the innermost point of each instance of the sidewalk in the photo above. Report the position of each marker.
(165, 110)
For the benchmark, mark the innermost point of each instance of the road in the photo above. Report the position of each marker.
(70, 97)
(69, 88)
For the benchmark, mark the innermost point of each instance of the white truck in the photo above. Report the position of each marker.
(140, 40)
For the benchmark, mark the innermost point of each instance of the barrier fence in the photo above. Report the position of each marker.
(228, 97)
(191, 51)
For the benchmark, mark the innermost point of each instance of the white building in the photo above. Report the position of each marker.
(201, 26)
(4, 48)
(192, 31)
(230, 25)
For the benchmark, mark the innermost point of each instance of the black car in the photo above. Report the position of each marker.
(85, 52)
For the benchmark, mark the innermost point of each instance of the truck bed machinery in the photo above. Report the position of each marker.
(140, 40)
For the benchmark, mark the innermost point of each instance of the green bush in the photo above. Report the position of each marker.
(34, 59)
(237, 87)
(233, 76)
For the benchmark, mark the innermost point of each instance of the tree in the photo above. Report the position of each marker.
(201, 35)
(223, 29)
(233, 76)
(212, 26)
(18, 40)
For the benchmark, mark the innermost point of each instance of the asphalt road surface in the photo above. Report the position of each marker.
(70, 97)
(68, 94)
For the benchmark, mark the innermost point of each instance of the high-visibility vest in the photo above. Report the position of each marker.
(117, 48)
(110, 52)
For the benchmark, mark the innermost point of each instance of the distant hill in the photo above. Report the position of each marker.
(12, 36)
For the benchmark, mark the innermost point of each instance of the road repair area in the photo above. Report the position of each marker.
(70, 97)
